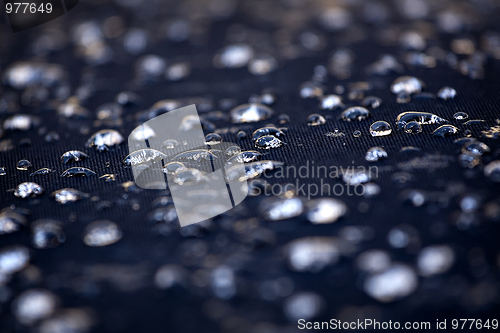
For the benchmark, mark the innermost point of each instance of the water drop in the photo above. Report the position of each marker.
(102, 233)
(394, 283)
(234, 56)
(42, 171)
(195, 155)
(177, 71)
(355, 113)
(109, 111)
(407, 84)
(315, 120)
(474, 122)
(469, 160)
(241, 135)
(413, 127)
(447, 93)
(356, 133)
(67, 195)
(274, 209)
(380, 128)
(109, 177)
(23, 165)
(189, 176)
(423, 118)
(330, 102)
(213, 139)
(325, 210)
(460, 116)
(78, 172)
(268, 142)
(13, 259)
(173, 167)
(492, 171)
(71, 109)
(22, 122)
(373, 261)
(371, 102)
(303, 305)
(104, 139)
(435, 259)
(375, 153)
(335, 134)
(28, 189)
(311, 89)
(445, 130)
(354, 178)
(233, 151)
(47, 234)
(270, 131)
(262, 64)
(73, 156)
(312, 254)
(475, 147)
(283, 119)
(251, 170)
(144, 156)
(244, 157)
(248, 113)
(11, 221)
(33, 305)
(142, 132)
(3, 171)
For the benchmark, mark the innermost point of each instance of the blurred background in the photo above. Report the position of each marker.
(421, 244)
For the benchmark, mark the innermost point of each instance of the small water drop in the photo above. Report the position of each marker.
(335, 134)
(447, 93)
(28, 189)
(356, 133)
(23, 165)
(475, 147)
(73, 156)
(312, 254)
(241, 135)
(142, 132)
(330, 102)
(195, 155)
(375, 153)
(3, 171)
(394, 283)
(47, 234)
(11, 221)
(492, 171)
(460, 116)
(283, 119)
(311, 89)
(413, 127)
(72, 109)
(355, 113)
(233, 151)
(144, 156)
(274, 209)
(13, 259)
(102, 233)
(177, 71)
(272, 131)
(380, 128)
(435, 259)
(67, 195)
(21, 122)
(234, 56)
(109, 177)
(173, 167)
(325, 210)
(262, 64)
(423, 118)
(189, 176)
(34, 305)
(213, 139)
(42, 171)
(445, 130)
(78, 172)
(249, 113)
(354, 177)
(315, 120)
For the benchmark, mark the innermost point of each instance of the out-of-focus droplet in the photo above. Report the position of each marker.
(102, 233)
(262, 64)
(234, 56)
(445, 130)
(355, 113)
(274, 209)
(177, 71)
(23, 165)
(283, 119)
(249, 113)
(72, 109)
(311, 89)
(413, 127)
(315, 120)
(67, 195)
(173, 167)
(142, 132)
(144, 156)
(435, 259)
(28, 189)
(460, 116)
(325, 210)
(33, 305)
(353, 177)
(423, 118)
(407, 84)
(312, 253)
(371, 102)
(330, 102)
(13, 258)
(373, 261)
(241, 135)
(47, 234)
(375, 154)
(21, 122)
(476, 147)
(303, 305)
(104, 139)
(394, 283)
(73, 156)
(170, 144)
(492, 171)
(11, 221)
(380, 128)
(446, 93)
